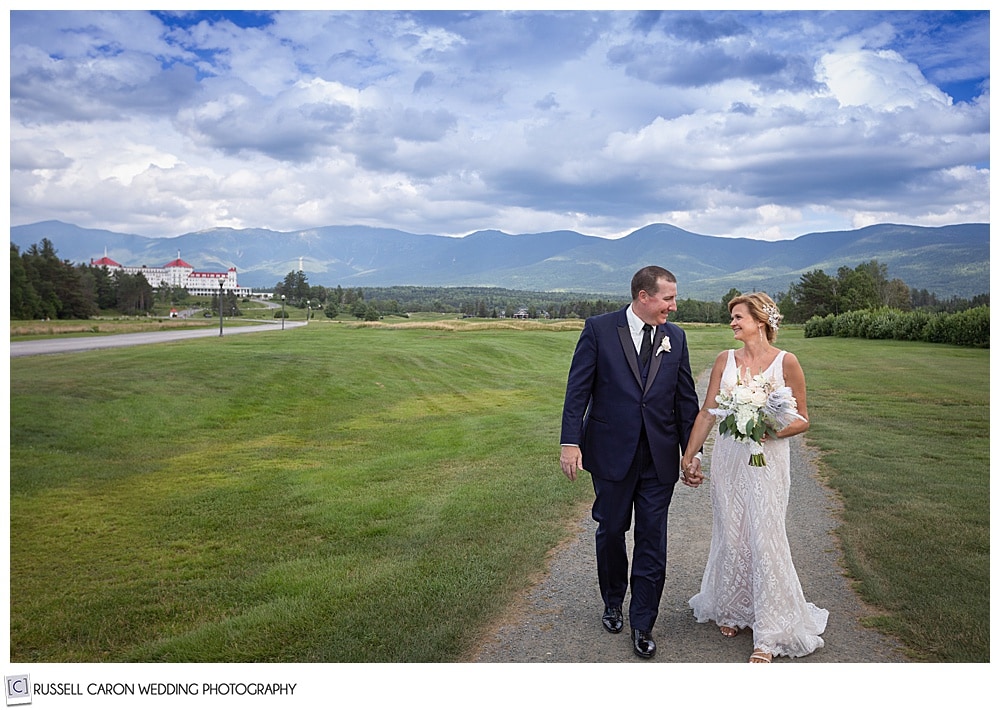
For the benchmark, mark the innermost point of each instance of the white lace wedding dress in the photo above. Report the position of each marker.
(750, 580)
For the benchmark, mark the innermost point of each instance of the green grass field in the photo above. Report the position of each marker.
(370, 494)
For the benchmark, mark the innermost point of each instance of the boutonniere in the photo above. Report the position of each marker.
(664, 345)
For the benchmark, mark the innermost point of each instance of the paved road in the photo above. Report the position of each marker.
(52, 346)
(558, 620)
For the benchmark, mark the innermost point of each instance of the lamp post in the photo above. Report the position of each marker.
(308, 310)
(282, 311)
(221, 284)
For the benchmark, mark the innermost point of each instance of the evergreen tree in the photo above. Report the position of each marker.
(294, 287)
(815, 295)
(24, 301)
(858, 288)
(133, 293)
(370, 312)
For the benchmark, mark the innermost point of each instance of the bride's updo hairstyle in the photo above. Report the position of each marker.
(762, 309)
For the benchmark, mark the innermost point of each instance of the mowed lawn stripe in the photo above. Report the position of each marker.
(369, 494)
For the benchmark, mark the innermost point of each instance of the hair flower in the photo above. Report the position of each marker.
(774, 317)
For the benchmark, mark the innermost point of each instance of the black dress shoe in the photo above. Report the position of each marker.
(643, 644)
(612, 619)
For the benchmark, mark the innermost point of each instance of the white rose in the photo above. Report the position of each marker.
(744, 415)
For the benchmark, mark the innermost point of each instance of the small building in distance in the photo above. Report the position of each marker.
(180, 274)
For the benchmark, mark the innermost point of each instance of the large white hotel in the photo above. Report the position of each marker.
(180, 273)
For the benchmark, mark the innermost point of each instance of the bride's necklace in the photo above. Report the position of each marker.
(749, 362)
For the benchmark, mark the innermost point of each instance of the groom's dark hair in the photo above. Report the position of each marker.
(648, 279)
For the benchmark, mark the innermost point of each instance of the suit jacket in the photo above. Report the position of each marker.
(607, 405)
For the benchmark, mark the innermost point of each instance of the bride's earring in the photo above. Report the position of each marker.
(760, 333)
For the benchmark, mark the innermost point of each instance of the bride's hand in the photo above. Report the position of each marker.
(691, 474)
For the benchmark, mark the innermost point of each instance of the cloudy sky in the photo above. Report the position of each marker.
(759, 124)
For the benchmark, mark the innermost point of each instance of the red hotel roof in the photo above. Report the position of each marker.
(104, 261)
(178, 263)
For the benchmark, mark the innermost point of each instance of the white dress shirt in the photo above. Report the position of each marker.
(635, 326)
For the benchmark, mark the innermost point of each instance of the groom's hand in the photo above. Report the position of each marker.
(692, 476)
(571, 460)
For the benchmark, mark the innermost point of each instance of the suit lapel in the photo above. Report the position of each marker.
(654, 364)
(628, 346)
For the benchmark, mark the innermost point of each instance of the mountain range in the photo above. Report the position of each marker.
(947, 261)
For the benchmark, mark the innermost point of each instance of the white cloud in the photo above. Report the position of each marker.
(881, 80)
(722, 123)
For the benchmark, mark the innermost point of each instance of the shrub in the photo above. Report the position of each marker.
(848, 325)
(912, 326)
(969, 328)
(819, 326)
(879, 324)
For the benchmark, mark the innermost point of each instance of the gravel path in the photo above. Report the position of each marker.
(558, 619)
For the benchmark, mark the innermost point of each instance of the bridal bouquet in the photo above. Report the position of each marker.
(751, 410)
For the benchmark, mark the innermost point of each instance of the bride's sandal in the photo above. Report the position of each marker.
(759, 656)
(729, 631)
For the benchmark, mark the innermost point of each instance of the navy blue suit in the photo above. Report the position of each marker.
(631, 424)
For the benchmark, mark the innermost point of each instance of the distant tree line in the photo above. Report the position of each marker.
(44, 286)
(332, 301)
(486, 302)
(372, 303)
(816, 294)
(867, 286)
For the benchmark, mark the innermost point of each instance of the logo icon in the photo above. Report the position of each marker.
(18, 689)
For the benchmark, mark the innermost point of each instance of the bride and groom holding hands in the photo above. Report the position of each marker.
(631, 419)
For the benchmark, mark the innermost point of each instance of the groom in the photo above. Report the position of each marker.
(630, 404)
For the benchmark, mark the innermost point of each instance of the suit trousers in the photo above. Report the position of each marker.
(641, 493)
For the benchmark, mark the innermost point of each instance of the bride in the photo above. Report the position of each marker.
(750, 580)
